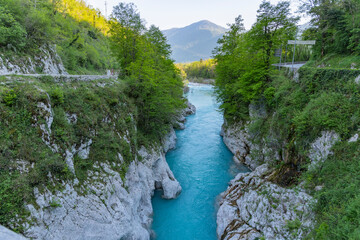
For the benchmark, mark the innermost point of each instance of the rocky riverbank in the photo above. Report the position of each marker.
(107, 205)
(253, 207)
(112, 208)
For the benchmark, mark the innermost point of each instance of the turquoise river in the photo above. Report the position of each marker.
(203, 166)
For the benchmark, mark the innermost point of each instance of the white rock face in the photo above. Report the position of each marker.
(179, 121)
(110, 208)
(237, 140)
(169, 140)
(105, 206)
(320, 148)
(189, 110)
(253, 207)
(48, 61)
(354, 138)
(7, 234)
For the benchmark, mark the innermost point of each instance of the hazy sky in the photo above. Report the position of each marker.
(169, 14)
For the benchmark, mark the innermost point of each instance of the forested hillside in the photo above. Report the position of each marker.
(199, 70)
(78, 32)
(288, 115)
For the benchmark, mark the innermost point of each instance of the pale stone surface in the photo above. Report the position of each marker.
(110, 208)
(169, 141)
(190, 109)
(7, 234)
(357, 79)
(179, 121)
(237, 140)
(104, 206)
(253, 207)
(48, 60)
(320, 148)
(354, 138)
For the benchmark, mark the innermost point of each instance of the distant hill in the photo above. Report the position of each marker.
(194, 42)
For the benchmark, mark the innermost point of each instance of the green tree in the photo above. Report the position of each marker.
(244, 59)
(274, 25)
(11, 32)
(126, 29)
(152, 80)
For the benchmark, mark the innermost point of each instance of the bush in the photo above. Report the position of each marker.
(11, 32)
(57, 96)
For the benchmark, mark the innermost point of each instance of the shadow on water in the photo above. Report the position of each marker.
(203, 166)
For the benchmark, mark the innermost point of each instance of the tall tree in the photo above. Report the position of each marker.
(152, 80)
(273, 26)
(244, 59)
(126, 29)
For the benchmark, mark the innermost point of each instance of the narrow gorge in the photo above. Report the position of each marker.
(203, 166)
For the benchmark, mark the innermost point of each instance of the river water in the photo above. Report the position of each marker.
(203, 166)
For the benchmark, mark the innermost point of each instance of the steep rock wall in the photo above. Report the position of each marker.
(253, 206)
(107, 202)
(47, 61)
(107, 206)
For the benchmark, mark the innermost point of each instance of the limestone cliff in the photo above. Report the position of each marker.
(254, 206)
(89, 195)
(112, 207)
(46, 61)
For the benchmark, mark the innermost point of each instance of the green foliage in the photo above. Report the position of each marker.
(243, 59)
(54, 203)
(81, 39)
(338, 202)
(11, 32)
(293, 226)
(9, 97)
(203, 69)
(333, 60)
(153, 81)
(11, 199)
(57, 96)
(336, 26)
(331, 111)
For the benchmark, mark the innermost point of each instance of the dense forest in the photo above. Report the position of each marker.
(203, 69)
(324, 98)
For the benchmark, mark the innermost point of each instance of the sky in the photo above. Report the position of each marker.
(168, 14)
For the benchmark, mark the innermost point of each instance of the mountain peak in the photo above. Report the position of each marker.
(195, 41)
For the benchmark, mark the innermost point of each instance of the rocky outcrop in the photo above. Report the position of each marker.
(179, 121)
(106, 205)
(189, 110)
(46, 62)
(238, 140)
(253, 207)
(321, 148)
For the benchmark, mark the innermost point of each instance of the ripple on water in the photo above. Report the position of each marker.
(203, 166)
